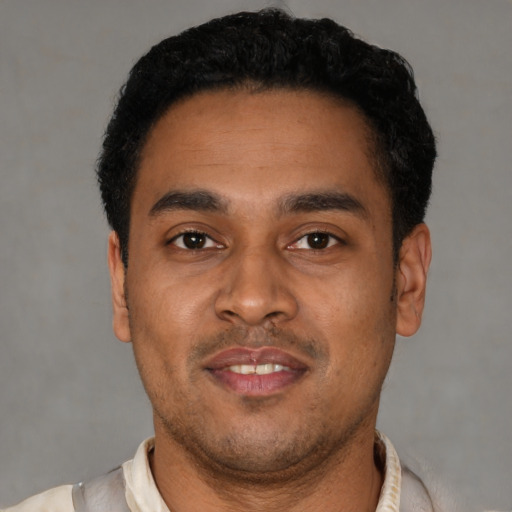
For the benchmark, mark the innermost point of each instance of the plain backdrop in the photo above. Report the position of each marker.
(71, 405)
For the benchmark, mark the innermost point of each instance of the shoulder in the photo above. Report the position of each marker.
(57, 499)
(423, 490)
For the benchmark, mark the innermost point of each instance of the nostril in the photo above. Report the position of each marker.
(253, 295)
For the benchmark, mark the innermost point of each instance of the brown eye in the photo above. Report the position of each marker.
(194, 240)
(318, 240)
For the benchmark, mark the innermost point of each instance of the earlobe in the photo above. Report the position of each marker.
(120, 321)
(411, 279)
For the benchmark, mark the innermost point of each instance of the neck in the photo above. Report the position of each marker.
(347, 480)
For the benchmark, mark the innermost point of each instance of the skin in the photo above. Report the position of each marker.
(256, 281)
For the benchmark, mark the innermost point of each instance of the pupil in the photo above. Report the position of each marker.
(318, 240)
(193, 240)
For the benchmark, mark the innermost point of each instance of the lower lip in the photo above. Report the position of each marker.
(256, 385)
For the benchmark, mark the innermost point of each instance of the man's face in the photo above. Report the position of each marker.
(260, 288)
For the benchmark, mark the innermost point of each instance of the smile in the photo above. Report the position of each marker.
(255, 372)
(259, 369)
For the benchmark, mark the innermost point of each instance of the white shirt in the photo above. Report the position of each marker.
(142, 494)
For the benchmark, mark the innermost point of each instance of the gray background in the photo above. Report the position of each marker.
(71, 404)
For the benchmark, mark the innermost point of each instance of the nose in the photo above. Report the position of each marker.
(256, 290)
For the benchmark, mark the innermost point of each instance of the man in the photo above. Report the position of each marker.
(266, 179)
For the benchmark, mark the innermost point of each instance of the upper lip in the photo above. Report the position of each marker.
(254, 356)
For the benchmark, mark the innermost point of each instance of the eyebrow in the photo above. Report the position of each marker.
(199, 200)
(206, 201)
(321, 201)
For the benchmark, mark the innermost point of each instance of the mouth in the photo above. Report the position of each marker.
(256, 372)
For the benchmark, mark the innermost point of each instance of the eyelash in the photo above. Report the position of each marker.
(331, 240)
(199, 234)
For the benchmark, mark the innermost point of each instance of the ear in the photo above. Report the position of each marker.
(120, 319)
(411, 279)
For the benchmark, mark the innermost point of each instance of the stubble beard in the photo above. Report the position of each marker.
(247, 460)
(253, 456)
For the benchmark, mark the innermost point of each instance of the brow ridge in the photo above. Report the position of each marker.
(321, 201)
(207, 201)
(200, 200)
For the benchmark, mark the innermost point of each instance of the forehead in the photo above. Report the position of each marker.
(257, 145)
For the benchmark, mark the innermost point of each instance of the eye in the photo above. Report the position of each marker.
(317, 241)
(193, 240)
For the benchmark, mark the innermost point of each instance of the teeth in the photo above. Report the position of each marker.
(257, 369)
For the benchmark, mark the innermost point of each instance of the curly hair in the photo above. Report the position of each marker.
(271, 50)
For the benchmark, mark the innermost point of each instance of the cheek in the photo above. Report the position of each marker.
(350, 300)
(164, 302)
(353, 312)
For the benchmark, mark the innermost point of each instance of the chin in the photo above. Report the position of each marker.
(259, 453)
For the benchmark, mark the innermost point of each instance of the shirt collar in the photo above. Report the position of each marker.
(142, 494)
(141, 491)
(389, 500)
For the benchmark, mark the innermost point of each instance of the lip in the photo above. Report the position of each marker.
(253, 384)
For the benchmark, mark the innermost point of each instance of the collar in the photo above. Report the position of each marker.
(142, 493)
(385, 453)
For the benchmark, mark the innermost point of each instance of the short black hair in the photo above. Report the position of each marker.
(271, 50)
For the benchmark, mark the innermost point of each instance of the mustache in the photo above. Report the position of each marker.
(252, 338)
